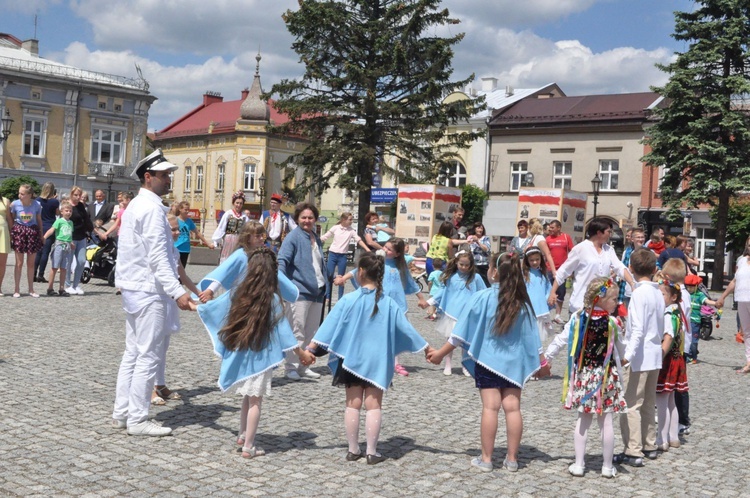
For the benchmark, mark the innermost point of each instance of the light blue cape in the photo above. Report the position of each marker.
(454, 296)
(368, 345)
(393, 287)
(539, 288)
(514, 355)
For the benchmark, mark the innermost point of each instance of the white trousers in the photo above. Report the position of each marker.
(145, 333)
(305, 319)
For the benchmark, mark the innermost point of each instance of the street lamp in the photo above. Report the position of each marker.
(110, 179)
(262, 189)
(7, 122)
(596, 184)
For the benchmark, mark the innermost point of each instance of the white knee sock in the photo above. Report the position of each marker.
(607, 429)
(372, 427)
(351, 424)
(674, 419)
(662, 415)
(581, 434)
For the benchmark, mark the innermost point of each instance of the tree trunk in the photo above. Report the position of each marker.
(717, 283)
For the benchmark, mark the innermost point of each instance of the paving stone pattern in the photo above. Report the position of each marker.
(58, 366)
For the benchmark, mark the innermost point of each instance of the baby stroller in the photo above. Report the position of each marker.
(100, 261)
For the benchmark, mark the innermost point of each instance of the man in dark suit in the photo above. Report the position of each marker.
(100, 209)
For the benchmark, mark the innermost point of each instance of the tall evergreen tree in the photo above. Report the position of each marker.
(375, 78)
(702, 137)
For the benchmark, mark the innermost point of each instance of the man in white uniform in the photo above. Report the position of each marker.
(146, 273)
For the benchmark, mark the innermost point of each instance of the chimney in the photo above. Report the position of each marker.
(212, 98)
(508, 91)
(31, 46)
(245, 93)
(489, 84)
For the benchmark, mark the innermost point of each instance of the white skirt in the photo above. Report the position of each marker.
(259, 386)
(544, 325)
(445, 325)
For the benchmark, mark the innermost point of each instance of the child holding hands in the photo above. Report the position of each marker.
(62, 250)
(592, 378)
(498, 332)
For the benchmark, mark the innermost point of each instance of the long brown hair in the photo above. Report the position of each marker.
(513, 297)
(399, 247)
(372, 267)
(452, 268)
(251, 315)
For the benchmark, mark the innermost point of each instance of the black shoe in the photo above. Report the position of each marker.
(651, 455)
(51, 292)
(373, 459)
(42, 280)
(353, 457)
(628, 460)
(63, 293)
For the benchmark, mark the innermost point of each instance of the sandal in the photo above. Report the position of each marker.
(165, 393)
(157, 400)
(241, 440)
(252, 452)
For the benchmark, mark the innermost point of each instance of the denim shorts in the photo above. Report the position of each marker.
(62, 252)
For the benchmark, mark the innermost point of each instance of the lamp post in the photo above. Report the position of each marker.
(596, 184)
(7, 123)
(262, 189)
(110, 179)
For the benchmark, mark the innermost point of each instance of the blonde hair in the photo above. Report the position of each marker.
(75, 188)
(674, 269)
(594, 290)
(66, 204)
(535, 226)
(48, 190)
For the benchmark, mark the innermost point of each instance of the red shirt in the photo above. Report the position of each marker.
(559, 247)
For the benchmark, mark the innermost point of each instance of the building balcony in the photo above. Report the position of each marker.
(103, 169)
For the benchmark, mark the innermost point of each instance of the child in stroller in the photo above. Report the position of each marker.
(101, 257)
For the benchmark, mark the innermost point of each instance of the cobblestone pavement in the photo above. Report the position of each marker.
(58, 366)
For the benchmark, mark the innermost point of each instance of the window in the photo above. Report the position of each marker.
(102, 105)
(107, 146)
(249, 179)
(199, 178)
(220, 177)
(188, 178)
(517, 172)
(34, 136)
(562, 174)
(609, 171)
(171, 180)
(455, 175)
(118, 107)
(663, 171)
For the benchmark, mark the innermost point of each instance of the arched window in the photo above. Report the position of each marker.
(455, 175)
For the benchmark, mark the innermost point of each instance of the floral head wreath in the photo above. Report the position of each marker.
(238, 195)
(669, 283)
(603, 290)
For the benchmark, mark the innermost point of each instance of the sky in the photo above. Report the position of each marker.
(188, 47)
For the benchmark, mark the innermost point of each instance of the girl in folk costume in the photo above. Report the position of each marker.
(251, 336)
(397, 282)
(498, 332)
(592, 377)
(461, 281)
(673, 374)
(363, 334)
(230, 225)
(538, 286)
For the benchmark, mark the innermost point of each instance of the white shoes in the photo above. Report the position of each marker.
(74, 291)
(609, 472)
(148, 428)
(309, 374)
(292, 375)
(576, 470)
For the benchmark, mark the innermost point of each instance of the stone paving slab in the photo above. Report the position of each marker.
(58, 367)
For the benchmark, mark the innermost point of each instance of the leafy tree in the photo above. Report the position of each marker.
(738, 224)
(702, 136)
(376, 75)
(472, 200)
(9, 186)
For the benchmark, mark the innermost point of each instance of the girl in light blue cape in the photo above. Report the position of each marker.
(363, 334)
(251, 336)
(460, 282)
(498, 332)
(397, 282)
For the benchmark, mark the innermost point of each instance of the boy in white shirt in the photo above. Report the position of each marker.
(642, 358)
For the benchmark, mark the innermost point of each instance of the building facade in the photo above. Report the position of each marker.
(70, 126)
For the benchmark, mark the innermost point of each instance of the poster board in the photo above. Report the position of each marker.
(422, 209)
(547, 204)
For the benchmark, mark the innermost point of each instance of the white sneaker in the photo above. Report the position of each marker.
(71, 291)
(148, 428)
(309, 374)
(292, 375)
(558, 320)
(79, 291)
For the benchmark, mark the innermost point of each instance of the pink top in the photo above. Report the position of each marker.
(118, 215)
(342, 237)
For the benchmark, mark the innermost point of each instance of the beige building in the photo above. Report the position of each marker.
(70, 126)
(223, 147)
(563, 143)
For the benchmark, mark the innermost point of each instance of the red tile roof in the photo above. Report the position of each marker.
(223, 115)
(585, 108)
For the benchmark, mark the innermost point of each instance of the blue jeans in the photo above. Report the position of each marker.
(40, 264)
(429, 267)
(336, 261)
(695, 333)
(79, 254)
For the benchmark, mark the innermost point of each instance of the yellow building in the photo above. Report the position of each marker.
(222, 147)
(70, 126)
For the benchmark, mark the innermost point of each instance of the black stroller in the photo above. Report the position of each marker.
(100, 261)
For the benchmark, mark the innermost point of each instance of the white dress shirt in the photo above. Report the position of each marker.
(645, 327)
